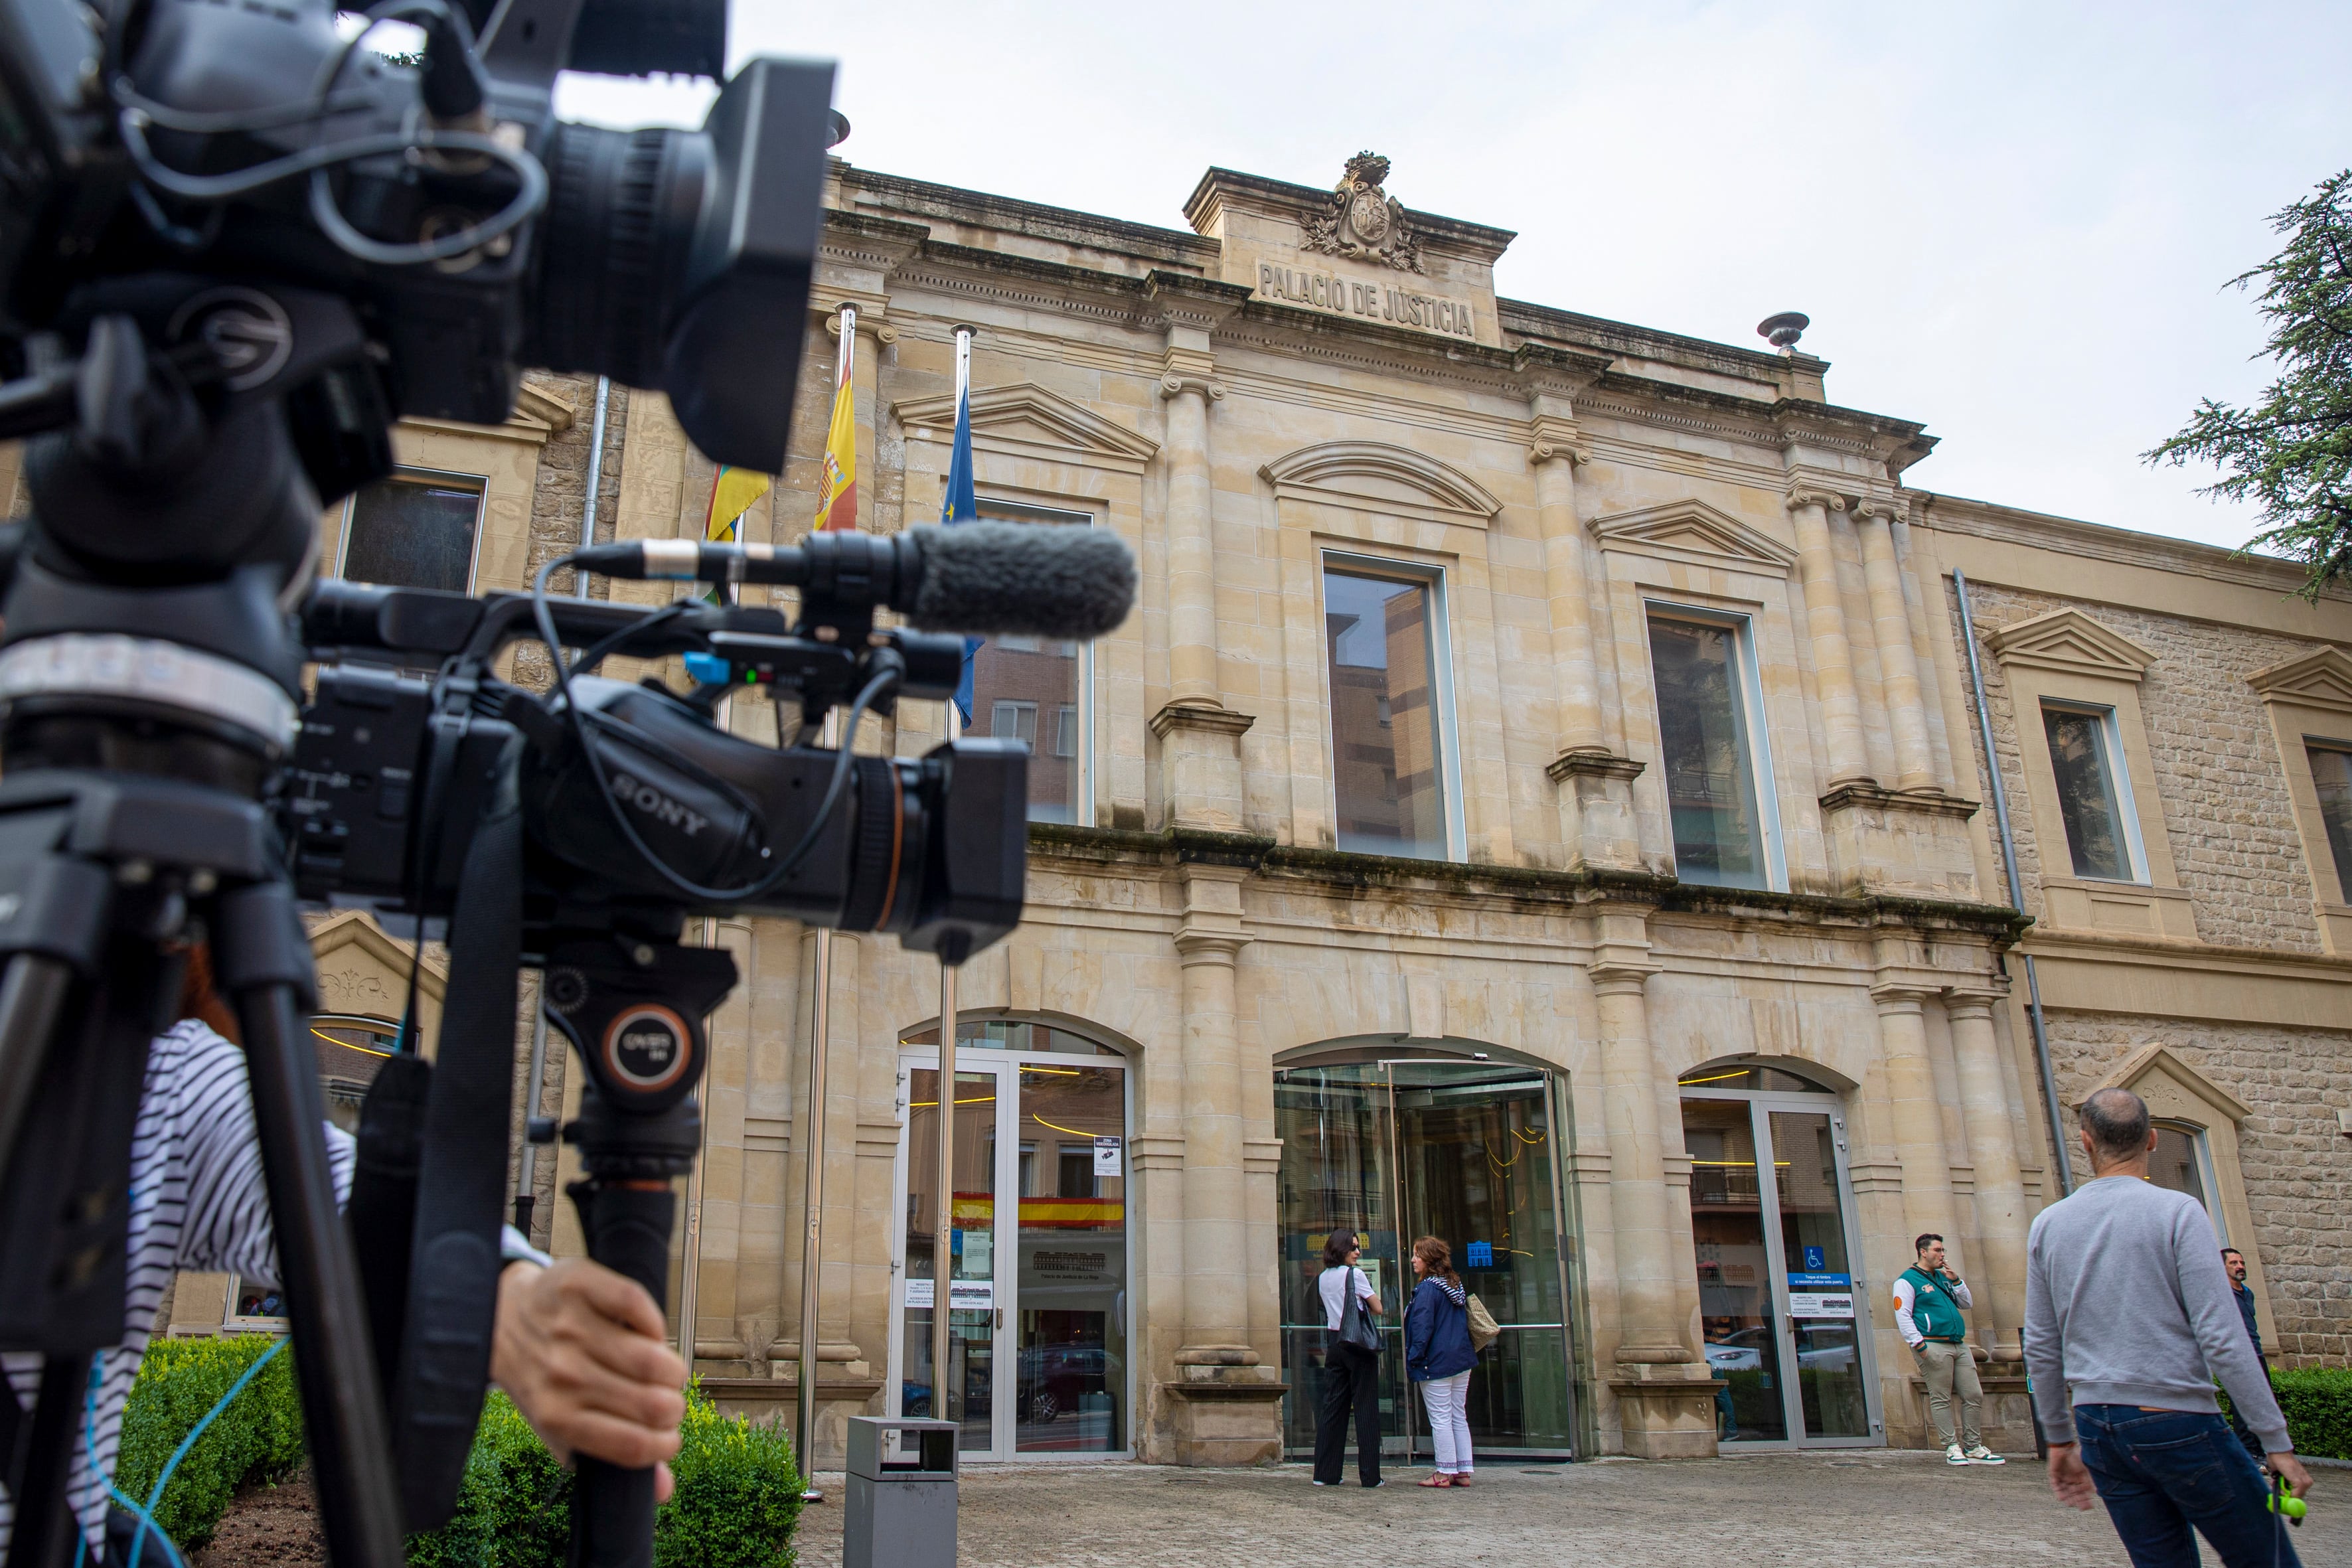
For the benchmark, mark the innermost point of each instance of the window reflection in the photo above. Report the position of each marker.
(1710, 775)
(2331, 776)
(414, 531)
(1380, 641)
(2080, 760)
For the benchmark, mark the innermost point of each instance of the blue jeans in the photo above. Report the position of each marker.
(2161, 1471)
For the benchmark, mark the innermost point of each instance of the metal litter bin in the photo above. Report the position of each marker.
(900, 1511)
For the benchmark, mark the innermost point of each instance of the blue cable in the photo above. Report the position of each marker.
(89, 1441)
(187, 1442)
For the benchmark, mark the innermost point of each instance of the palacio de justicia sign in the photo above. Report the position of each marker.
(1542, 799)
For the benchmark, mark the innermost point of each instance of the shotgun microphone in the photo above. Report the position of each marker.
(1024, 579)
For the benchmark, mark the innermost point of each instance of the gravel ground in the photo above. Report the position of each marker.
(1849, 1510)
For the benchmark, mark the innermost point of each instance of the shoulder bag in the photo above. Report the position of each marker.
(1484, 1329)
(1355, 1325)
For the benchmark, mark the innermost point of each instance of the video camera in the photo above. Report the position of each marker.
(235, 243)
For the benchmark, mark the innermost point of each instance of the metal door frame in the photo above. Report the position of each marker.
(1005, 1067)
(1546, 1077)
(1761, 1103)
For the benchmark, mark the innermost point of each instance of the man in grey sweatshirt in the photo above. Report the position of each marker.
(2125, 1300)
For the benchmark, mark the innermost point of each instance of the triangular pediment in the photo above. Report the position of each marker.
(2072, 641)
(363, 972)
(1693, 531)
(2175, 1091)
(1028, 420)
(1374, 476)
(2320, 680)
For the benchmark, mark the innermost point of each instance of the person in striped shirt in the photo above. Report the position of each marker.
(578, 1347)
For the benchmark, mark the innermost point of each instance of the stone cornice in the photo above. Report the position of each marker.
(1063, 225)
(1924, 802)
(1614, 338)
(1194, 716)
(1565, 891)
(1592, 764)
(1184, 299)
(2072, 536)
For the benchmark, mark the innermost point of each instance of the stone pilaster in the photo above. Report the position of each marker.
(1899, 661)
(1187, 387)
(2001, 1217)
(1596, 796)
(1665, 1395)
(1225, 1400)
(1915, 1115)
(1826, 628)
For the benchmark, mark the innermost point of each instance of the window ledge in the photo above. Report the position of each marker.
(2335, 928)
(2118, 909)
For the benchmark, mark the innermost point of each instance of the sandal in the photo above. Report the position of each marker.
(1438, 1482)
(1461, 1480)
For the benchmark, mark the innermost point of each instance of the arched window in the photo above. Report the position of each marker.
(1735, 1075)
(1011, 1035)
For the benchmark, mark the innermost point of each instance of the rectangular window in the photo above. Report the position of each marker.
(1382, 641)
(413, 530)
(1032, 689)
(2331, 776)
(2082, 758)
(1721, 822)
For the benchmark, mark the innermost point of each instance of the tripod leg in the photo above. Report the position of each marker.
(32, 994)
(628, 1226)
(259, 950)
(45, 1528)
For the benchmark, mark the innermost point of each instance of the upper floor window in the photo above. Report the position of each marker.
(1383, 645)
(2093, 798)
(1032, 689)
(2331, 780)
(414, 529)
(1710, 757)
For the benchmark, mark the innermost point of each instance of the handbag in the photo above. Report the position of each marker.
(1484, 1329)
(1355, 1325)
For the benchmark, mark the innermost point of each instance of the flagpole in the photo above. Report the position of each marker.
(813, 1156)
(943, 1232)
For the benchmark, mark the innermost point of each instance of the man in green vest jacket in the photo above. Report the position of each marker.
(1929, 1299)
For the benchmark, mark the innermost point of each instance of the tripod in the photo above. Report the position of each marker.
(149, 679)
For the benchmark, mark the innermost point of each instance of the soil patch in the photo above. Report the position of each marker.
(270, 1527)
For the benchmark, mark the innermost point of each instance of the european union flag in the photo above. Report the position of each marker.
(960, 505)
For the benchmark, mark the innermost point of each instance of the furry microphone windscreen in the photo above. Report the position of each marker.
(1028, 579)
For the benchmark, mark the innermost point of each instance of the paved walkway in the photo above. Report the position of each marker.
(1848, 1510)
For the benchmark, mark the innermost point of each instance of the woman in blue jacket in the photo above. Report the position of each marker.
(1438, 1356)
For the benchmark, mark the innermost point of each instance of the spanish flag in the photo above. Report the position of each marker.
(836, 504)
(732, 491)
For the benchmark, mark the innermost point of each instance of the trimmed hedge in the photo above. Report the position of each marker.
(257, 1438)
(737, 1503)
(2317, 1404)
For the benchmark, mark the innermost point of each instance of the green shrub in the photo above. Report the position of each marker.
(737, 1499)
(257, 1438)
(2317, 1402)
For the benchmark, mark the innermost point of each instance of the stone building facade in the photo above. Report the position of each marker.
(1538, 792)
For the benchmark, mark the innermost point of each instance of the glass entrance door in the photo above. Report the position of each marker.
(1786, 1334)
(1463, 1150)
(1036, 1246)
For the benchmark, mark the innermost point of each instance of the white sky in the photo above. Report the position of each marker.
(2011, 222)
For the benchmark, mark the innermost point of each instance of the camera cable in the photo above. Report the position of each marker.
(836, 785)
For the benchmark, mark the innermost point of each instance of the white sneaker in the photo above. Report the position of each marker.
(1952, 1455)
(1980, 1454)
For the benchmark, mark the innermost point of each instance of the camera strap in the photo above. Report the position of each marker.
(460, 1191)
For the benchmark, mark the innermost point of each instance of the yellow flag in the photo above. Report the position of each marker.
(732, 491)
(836, 505)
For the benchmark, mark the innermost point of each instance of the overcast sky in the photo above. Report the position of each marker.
(2012, 222)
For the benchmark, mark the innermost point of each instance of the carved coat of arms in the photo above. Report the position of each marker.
(1364, 221)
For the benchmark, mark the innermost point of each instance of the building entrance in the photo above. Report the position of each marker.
(1462, 1150)
(1786, 1323)
(1037, 1243)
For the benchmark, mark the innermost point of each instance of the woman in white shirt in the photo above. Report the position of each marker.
(1351, 1376)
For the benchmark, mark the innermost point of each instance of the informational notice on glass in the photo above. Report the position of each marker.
(1820, 1304)
(963, 1295)
(1818, 1282)
(1106, 1157)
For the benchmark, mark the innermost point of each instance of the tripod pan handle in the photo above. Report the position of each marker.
(628, 1231)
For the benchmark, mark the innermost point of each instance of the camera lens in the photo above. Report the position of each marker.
(622, 209)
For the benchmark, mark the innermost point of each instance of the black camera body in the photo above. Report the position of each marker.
(381, 782)
(246, 149)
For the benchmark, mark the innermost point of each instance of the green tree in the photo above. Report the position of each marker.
(2292, 451)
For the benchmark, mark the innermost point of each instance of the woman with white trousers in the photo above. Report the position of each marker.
(1438, 1356)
